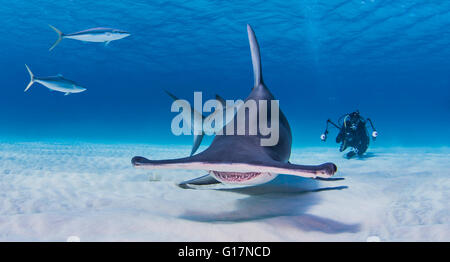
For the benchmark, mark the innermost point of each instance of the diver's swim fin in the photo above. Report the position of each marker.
(350, 154)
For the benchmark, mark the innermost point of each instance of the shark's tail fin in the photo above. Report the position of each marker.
(256, 57)
(60, 37)
(31, 78)
(197, 116)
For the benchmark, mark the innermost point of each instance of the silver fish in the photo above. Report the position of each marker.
(56, 83)
(99, 35)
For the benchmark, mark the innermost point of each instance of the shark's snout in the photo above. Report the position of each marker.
(334, 168)
(136, 160)
(139, 160)
(328, 169)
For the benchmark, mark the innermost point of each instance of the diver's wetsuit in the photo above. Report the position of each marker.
(352, 133)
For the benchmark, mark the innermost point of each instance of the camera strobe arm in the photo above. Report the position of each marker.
(374, 130)
(323, 137)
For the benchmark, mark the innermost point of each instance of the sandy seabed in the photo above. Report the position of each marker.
(90, 192)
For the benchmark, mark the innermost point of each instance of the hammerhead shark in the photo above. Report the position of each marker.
(241, 159)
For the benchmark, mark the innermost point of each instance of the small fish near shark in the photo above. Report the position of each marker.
(240, 159)
(55, 83)
(98, 35)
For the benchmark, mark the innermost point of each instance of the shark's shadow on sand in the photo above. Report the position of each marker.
(286, 200)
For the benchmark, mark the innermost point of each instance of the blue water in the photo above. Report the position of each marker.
(321, 59)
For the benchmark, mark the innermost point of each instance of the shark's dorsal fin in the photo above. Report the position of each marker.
(256, 58)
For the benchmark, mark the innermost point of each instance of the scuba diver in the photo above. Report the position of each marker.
(352, 133)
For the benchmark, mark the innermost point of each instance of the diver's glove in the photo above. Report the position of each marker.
(323, 137)
(374, 135)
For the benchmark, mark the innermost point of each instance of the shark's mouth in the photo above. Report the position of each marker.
(235, 176)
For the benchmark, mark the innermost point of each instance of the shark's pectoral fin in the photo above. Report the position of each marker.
(330, 179)
(66, 94)
(107, 43)
(201, 182)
